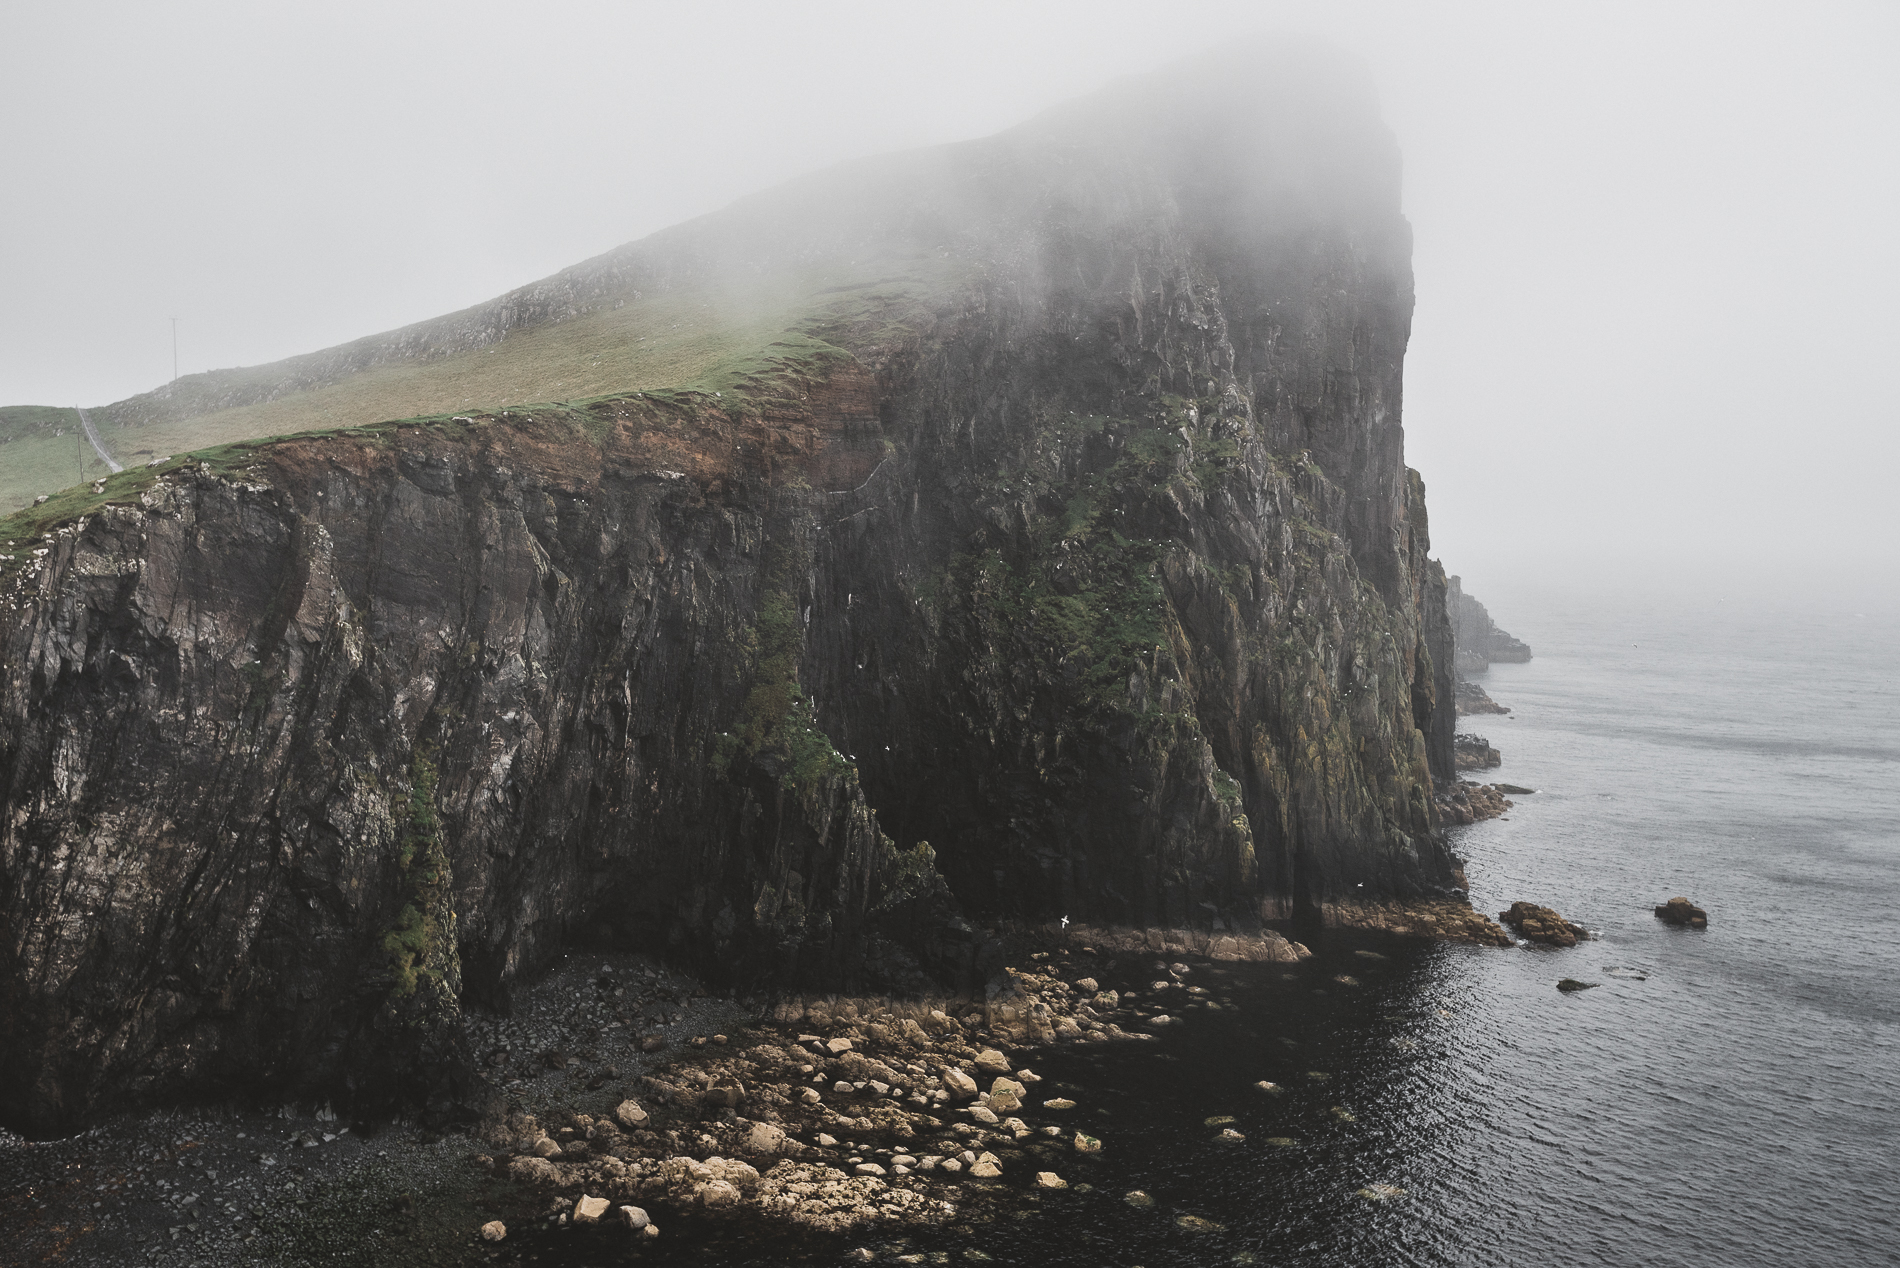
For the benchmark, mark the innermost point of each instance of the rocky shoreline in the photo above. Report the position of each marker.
(627, 1085)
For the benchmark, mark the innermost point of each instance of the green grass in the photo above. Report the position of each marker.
(765, 336)
(42, 450)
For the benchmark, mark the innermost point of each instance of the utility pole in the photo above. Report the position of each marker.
(174, 350)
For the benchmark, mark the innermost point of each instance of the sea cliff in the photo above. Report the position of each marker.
(1067, 566)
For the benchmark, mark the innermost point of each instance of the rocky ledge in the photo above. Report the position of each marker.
(1474, 752)
(1541, 924)
(1469, 697)
(1447, 919)
(1466, 802)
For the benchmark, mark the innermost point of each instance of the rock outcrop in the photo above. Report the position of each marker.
(1682, 913)
(1477, 641)
(1541, 924)
(1088, 580)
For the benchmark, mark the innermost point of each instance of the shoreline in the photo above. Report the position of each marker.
(818, 1117)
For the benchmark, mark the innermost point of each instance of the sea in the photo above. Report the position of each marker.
(1718, 1097)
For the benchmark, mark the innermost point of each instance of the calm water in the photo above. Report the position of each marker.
(1725, 1097)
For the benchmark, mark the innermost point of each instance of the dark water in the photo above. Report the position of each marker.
(1723, 1097)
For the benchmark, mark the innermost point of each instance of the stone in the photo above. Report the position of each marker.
(717, 1193)
(1026, 1076)
(983, 1114)
(1229, 1134)
(826, 1140)
(1683, 914)
(1380, 1192)
(1058, 1103)
(726, 1092)
(494, 1231)
(650, 1231)
(589, 1210)
(1196, 1224)
(960, 1085)
(1139, 1199)
(868, 1169)
(764, 1138)
(634, 1218)
(836, 1046)
(861, 1255)
(1270, 1088)
(986, 1168)
(1087, 1144)
(1006, 1096)
(1050, 1180)
(547, 1147)
(990, 1061)
(1541, 924)
(630, 1116)
(1569, 984)
(1087, 985)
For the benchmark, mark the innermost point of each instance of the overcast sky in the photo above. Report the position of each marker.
(1658, 248)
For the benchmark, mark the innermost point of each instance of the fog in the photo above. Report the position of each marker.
(1655, 243)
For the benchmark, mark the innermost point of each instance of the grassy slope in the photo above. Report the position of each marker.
(710, 338)
(42, 450)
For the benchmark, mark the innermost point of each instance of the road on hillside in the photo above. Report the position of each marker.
(98, 446)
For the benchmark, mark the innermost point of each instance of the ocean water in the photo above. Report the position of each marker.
(1723, 1097)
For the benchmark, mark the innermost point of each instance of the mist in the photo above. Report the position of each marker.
(1653, 243)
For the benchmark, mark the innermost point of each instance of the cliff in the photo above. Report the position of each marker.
(1065, 565)
(1477, 641)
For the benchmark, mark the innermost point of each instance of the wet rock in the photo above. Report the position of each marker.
(1682, 913)
(1229, 1134)
(1139, 1199)
(1570, 984)
(494, 1231)
(1541, 924)
(1197, 1224)
(1270, 1088)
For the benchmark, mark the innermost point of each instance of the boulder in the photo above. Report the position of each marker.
(1050, 1180)
(1087, 986)
(589, 1210)
(837, 1046)
(630, 1116)
(764, 1138)
(960, 1085)
(1087, 1144)
(634, 1218)
(1569, 984)
(1006, 1095)
(494, 1231)
(726, 1092)
(1541, 924)
(1683, 914)
(547, 1147)
(990, 1061)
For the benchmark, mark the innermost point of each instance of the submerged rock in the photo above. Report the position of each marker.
(1570, 984)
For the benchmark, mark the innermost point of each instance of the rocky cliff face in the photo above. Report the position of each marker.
(1090, 582)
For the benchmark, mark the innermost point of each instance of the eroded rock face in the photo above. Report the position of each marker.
(1098, 570)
